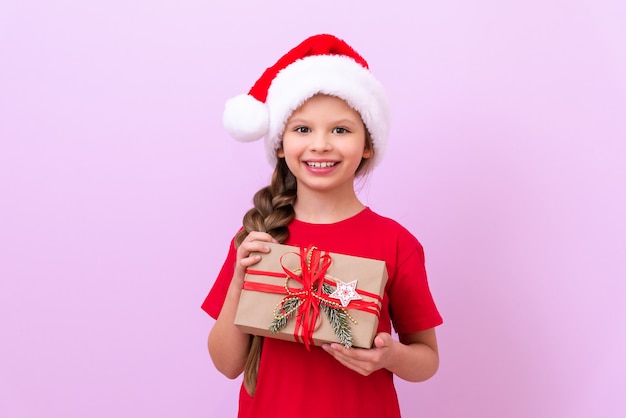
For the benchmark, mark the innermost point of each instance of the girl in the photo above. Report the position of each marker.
(325, 121)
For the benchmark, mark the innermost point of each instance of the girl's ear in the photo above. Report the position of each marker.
(367, 152)
(280, 152)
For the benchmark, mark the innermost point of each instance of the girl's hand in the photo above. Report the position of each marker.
(361, 360)
(254, 242)
(414, 358)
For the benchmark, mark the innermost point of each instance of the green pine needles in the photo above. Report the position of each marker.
(290, 309)
(337, 317)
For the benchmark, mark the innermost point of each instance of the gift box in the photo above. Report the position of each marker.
(312, 296)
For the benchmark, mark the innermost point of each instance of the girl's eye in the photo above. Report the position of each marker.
(340, 130)
(302, 130)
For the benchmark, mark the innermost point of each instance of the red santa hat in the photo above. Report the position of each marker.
(321, 64)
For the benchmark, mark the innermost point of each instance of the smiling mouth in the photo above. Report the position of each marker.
(320, 164)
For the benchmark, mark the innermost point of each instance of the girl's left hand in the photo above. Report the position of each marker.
(364, 361)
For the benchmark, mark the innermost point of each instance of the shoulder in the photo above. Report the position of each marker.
(397, 239)
(386, 227)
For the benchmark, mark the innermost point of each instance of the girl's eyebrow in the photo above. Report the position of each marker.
(345, 122)
(334, 122)
(297, 120)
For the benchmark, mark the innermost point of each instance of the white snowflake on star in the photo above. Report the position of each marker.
(345, 292)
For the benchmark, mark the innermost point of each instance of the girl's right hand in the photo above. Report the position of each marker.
(254, 243)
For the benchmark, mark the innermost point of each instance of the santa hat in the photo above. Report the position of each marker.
(320, 64)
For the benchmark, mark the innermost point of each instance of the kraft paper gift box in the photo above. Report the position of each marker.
(302, 287)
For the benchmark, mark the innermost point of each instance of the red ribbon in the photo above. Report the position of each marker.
(313, 267)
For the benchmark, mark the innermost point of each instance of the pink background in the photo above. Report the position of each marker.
(120, 191)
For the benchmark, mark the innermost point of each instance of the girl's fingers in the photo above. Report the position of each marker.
(260, 236)
(249, 261)
(255, 242)
(253, 246)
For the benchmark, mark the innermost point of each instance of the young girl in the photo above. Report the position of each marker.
(325, 121)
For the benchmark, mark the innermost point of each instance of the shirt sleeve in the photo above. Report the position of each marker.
(215, 299)
(412, 306)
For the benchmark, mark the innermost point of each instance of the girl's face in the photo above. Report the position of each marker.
(324, 143)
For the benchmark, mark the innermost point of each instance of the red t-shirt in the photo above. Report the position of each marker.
(295, 382)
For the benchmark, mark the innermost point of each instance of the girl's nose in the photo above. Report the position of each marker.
(320, 142)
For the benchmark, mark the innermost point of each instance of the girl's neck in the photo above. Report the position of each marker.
(322, 208)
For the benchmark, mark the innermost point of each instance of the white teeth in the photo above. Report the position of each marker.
(321, 164)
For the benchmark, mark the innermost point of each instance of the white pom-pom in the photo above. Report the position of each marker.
(245, 118)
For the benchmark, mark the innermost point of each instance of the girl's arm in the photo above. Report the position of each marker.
(228, 346)
(414, 358)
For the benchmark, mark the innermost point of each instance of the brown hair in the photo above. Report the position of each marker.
(273, 210)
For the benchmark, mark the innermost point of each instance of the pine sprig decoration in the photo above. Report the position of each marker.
(290, 309)
(338, 319)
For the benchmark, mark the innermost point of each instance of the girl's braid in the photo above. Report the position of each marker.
(272, 212)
